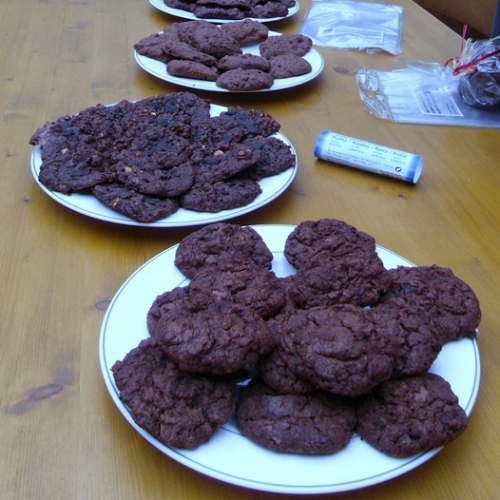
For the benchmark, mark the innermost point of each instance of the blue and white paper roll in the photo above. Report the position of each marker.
(368, 156)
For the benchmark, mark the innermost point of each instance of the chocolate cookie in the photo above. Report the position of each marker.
(223, 164)
(137, 206)
(256, 288)
(276, 157)
(222, 246)
(246, 32)
(285, 44)
(169, 182)
(411, 415)
(451, 304)
(179, 409)
(340, 349)
(274, 372)
(191, 69)
(166, 301)
(357, 279)
(314, 243)
(418, 345)
(243, 61)
(245, 80)
(220, 339)
(288, 65)
(223, 195)
(308, 424)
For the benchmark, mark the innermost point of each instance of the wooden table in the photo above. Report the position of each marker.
(61, 436)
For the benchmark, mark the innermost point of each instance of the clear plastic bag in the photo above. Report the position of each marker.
(354, 25)
(424, 93)
(478, 69)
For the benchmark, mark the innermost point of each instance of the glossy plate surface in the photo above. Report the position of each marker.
(159, 69)
(184, 14)
(229, 456)
(88, 205)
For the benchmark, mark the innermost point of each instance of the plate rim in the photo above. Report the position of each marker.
(183, 456)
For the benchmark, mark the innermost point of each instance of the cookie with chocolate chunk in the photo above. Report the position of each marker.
(222, 246)
(340, 349)
(220, 339)
(410, 415)
(350, 279)
(314, 243)
(450, 304)
(288, 423)
(256, 288)
(177, 408)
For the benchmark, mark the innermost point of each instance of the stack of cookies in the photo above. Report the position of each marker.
(341, 346)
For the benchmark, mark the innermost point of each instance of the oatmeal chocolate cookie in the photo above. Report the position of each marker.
(418, 347)
(240, 80)
(256, 122)
(191, 69)
(68, 173)
(216, 12)
(285, 44)
(288, 65)
(410, 415)
(243, 61)
(220, 339)
(340, 349)
(222, 195)
(170, 182)
(246, 32)
(225, 164)
(314, 243)
(256, 288)
(450, 303)
(137, 206)
(222, 246)
(351, 279)
(309, 424)
(179, 409)
(276, 157)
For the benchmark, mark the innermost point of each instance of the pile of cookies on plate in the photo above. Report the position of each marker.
(146, 159)
(341, 346)
(203, 51)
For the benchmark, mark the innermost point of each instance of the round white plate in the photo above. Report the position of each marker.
(184, 14)
(87, 204)
(159, 69)
(229, 456)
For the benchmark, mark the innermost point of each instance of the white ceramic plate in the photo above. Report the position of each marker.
(88, 204)
(184, 14)
(159, 69)
(229, 456)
